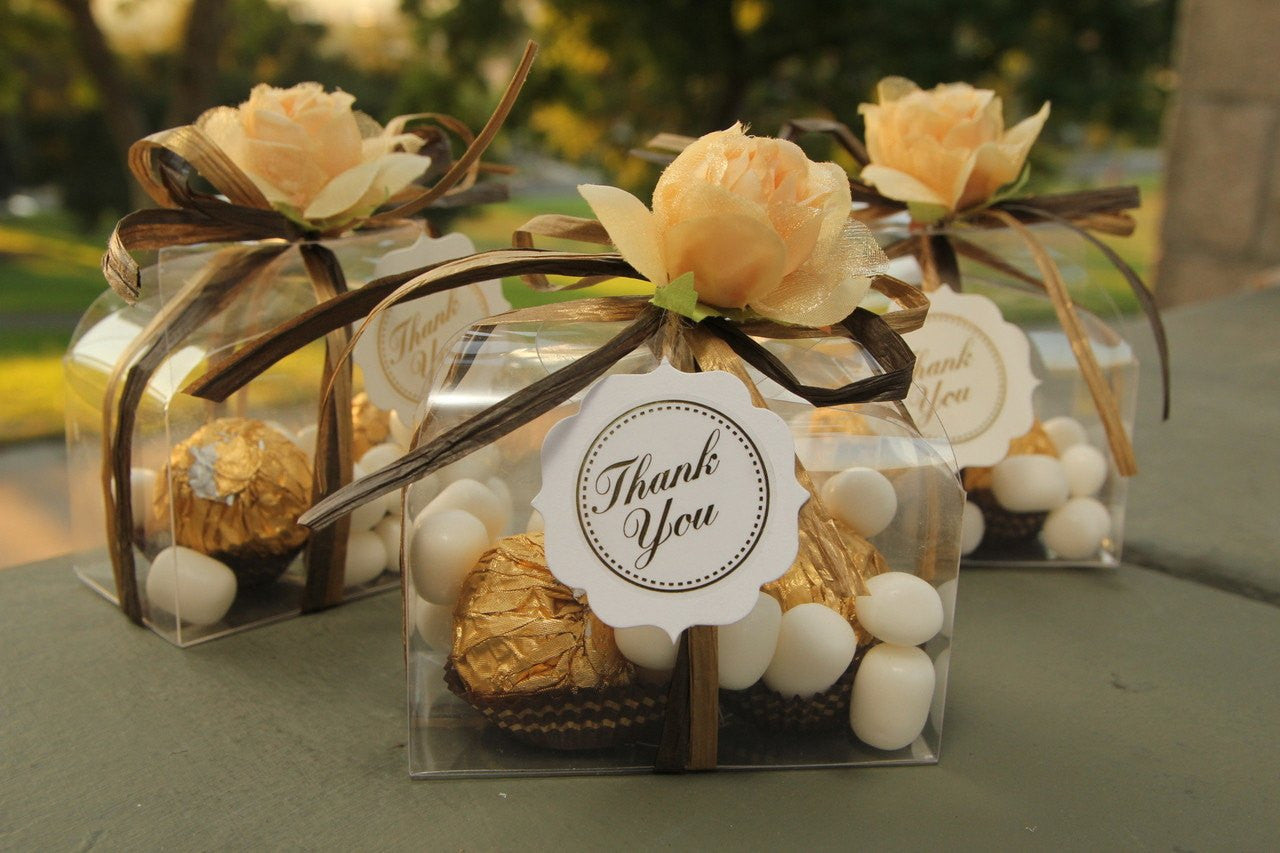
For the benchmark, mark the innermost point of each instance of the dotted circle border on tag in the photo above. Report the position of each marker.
(762, 488)
(1002, 381)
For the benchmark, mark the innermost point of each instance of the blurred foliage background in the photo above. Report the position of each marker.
(81, 79)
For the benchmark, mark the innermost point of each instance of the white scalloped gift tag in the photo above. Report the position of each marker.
(670, 499)
(400, 351)
(975, 369)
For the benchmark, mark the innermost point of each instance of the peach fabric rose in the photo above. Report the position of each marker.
(310, 154)
(946, 147)
(758, 224)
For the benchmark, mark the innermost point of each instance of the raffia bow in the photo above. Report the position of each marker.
(165, 164)
(690, 735)
(937, 247)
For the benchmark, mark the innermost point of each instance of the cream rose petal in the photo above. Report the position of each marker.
(285, 178)
(366, 186)
(631, 227)
(707, 159)
(892, 88)
(1024, 133)
(999, 163)
(993, 168)
(733, 258)
(900, 186)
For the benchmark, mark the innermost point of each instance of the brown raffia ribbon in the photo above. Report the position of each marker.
(164, 165)
(227, 275)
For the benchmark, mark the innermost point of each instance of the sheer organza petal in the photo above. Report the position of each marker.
(830, 286)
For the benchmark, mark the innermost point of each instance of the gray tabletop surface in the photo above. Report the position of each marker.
(1206, 503)
(1088, 709)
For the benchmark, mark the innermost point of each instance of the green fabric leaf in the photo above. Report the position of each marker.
(925, 213)
(681, 297)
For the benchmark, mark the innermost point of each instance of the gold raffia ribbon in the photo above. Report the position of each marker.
(163, 164)
(1103, 400)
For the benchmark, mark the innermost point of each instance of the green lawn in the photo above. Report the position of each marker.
(49, 275)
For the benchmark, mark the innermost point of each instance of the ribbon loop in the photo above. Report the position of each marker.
(888, 348)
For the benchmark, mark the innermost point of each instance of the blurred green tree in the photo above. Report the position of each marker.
(611, 72)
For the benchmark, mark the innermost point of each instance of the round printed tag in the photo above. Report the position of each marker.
(975, 370)
(670, 499)
(403, 347)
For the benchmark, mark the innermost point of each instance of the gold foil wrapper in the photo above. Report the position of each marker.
(808, 579)
(516, 629)
(239, 486)
(1034, 441)
(370, 425)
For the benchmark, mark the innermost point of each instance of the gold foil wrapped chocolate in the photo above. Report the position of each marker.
(1034, 441)
(810, 579)
(516, 629)
(369, 425)
(238, 487)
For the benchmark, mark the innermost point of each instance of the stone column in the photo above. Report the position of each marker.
(1222, 219)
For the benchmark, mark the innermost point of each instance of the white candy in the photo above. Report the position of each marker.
(142, 493)
(1086, 470)
(306, 439)
(862, 498)
(389, 531)
(947, 592)
(401, 433)
(1030, 483)
(1064, 432)
(475, 498)
(972, 528)
(536, 523)
(477, 465)
(423, 492)
(446, 545)
(647, 646)
(380, 456)
(502, 492)
(746, 647)
(369, 513)
(1075, 530)
(365, 516)
(366, 558)
(891, 696)
(901, 608)
(815, 647)
(192, 586)
(434, 624)
(391, 503)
